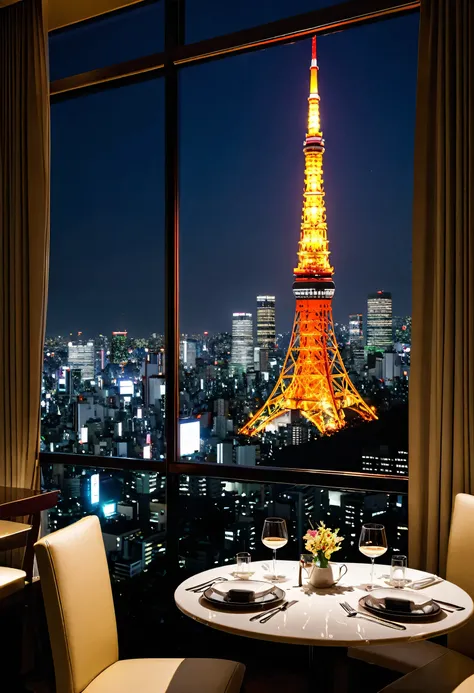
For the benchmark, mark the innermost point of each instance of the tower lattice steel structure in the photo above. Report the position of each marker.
(313, 379)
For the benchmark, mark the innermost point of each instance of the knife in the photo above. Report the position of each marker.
(276, 611)
(266, 613)
(456, 607)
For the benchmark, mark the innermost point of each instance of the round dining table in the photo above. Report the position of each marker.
(317, 619)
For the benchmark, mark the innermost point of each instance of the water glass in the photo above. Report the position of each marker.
(306, 565)
(398, 571)
(243, 564)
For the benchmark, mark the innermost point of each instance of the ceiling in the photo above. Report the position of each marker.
(65, 12)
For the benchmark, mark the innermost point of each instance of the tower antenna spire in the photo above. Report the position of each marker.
(313, 380)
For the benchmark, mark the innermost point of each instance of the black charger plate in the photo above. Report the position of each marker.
(427, 613)
(267, 601)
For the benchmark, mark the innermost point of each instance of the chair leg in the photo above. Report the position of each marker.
(29, 557)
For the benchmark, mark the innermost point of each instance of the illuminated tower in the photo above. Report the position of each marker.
(313, 379)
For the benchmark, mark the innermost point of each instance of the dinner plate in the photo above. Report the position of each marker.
(425, 612)
(258, 586)
(266, 601)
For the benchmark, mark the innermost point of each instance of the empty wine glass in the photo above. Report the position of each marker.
(372, 543)
(274, 536)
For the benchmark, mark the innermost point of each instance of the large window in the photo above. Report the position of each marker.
(103, 384)
(109, 367)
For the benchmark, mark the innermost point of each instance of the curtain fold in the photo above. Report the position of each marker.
(24, 235)
(441, 446)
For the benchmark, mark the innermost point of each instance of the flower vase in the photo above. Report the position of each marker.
(321, 577)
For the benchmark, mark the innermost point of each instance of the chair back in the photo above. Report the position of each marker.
(460, 566)
(78, 602)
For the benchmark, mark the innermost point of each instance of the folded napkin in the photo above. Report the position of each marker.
(240, 596)
(397, 600)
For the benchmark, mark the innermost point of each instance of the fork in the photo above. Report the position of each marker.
(281, 608)
(205, 585)
(351, 613)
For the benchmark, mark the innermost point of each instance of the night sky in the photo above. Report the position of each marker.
(242, 127)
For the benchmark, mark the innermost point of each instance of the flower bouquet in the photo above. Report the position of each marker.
(322, 542)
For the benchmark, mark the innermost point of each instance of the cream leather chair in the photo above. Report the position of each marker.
(445, 674)
(466, 686)
(408, 657)
(83, 633)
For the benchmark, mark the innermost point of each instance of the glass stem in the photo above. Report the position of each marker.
(274, 563)
(372, 571)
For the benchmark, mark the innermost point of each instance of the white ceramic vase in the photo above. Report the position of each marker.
(321, 577)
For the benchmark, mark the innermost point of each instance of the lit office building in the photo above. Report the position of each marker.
(266, 335)
(81, 356)
(118, 348)
(356, 338)
(187, 352)
(242, 342)
(379, 321)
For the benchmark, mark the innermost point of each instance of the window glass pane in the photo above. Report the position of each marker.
(132, 513)
(136, 32)
(103, 384)
(243, 122)
(220, 518)
(209, 18)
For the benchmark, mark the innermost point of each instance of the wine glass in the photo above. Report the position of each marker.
(274, 536)
(372, 543)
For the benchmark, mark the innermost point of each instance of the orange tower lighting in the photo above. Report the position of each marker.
(313, 379)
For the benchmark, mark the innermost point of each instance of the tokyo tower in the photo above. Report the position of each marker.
(313, 379)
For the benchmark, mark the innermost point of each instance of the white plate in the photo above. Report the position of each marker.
(259, 588)
(266, 601)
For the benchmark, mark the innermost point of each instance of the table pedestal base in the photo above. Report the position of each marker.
(327, 669)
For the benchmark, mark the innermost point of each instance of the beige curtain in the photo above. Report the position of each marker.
(24, 235)
(442, 370)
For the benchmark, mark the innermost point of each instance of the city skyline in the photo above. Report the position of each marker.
(235, 246)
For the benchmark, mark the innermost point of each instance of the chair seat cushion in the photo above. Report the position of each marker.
(11, 580)
(442, 675)
(466, 686)
(404, 657)
(169, 676)
(13, 535)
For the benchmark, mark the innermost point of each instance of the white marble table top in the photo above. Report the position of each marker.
(318, 618)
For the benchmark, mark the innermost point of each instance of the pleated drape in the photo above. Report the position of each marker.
(441, 449)
(24, 235)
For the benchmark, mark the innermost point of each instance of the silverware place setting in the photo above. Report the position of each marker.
(353, 613)
(205, 585)
(447, 606)
(267, 615)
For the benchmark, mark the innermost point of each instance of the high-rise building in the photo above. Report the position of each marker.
(118, 348)
(187, 352)
(313, 380)
(81, 356)
(266, 335)
(242, 342)
(356, 338)
(379, 321)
